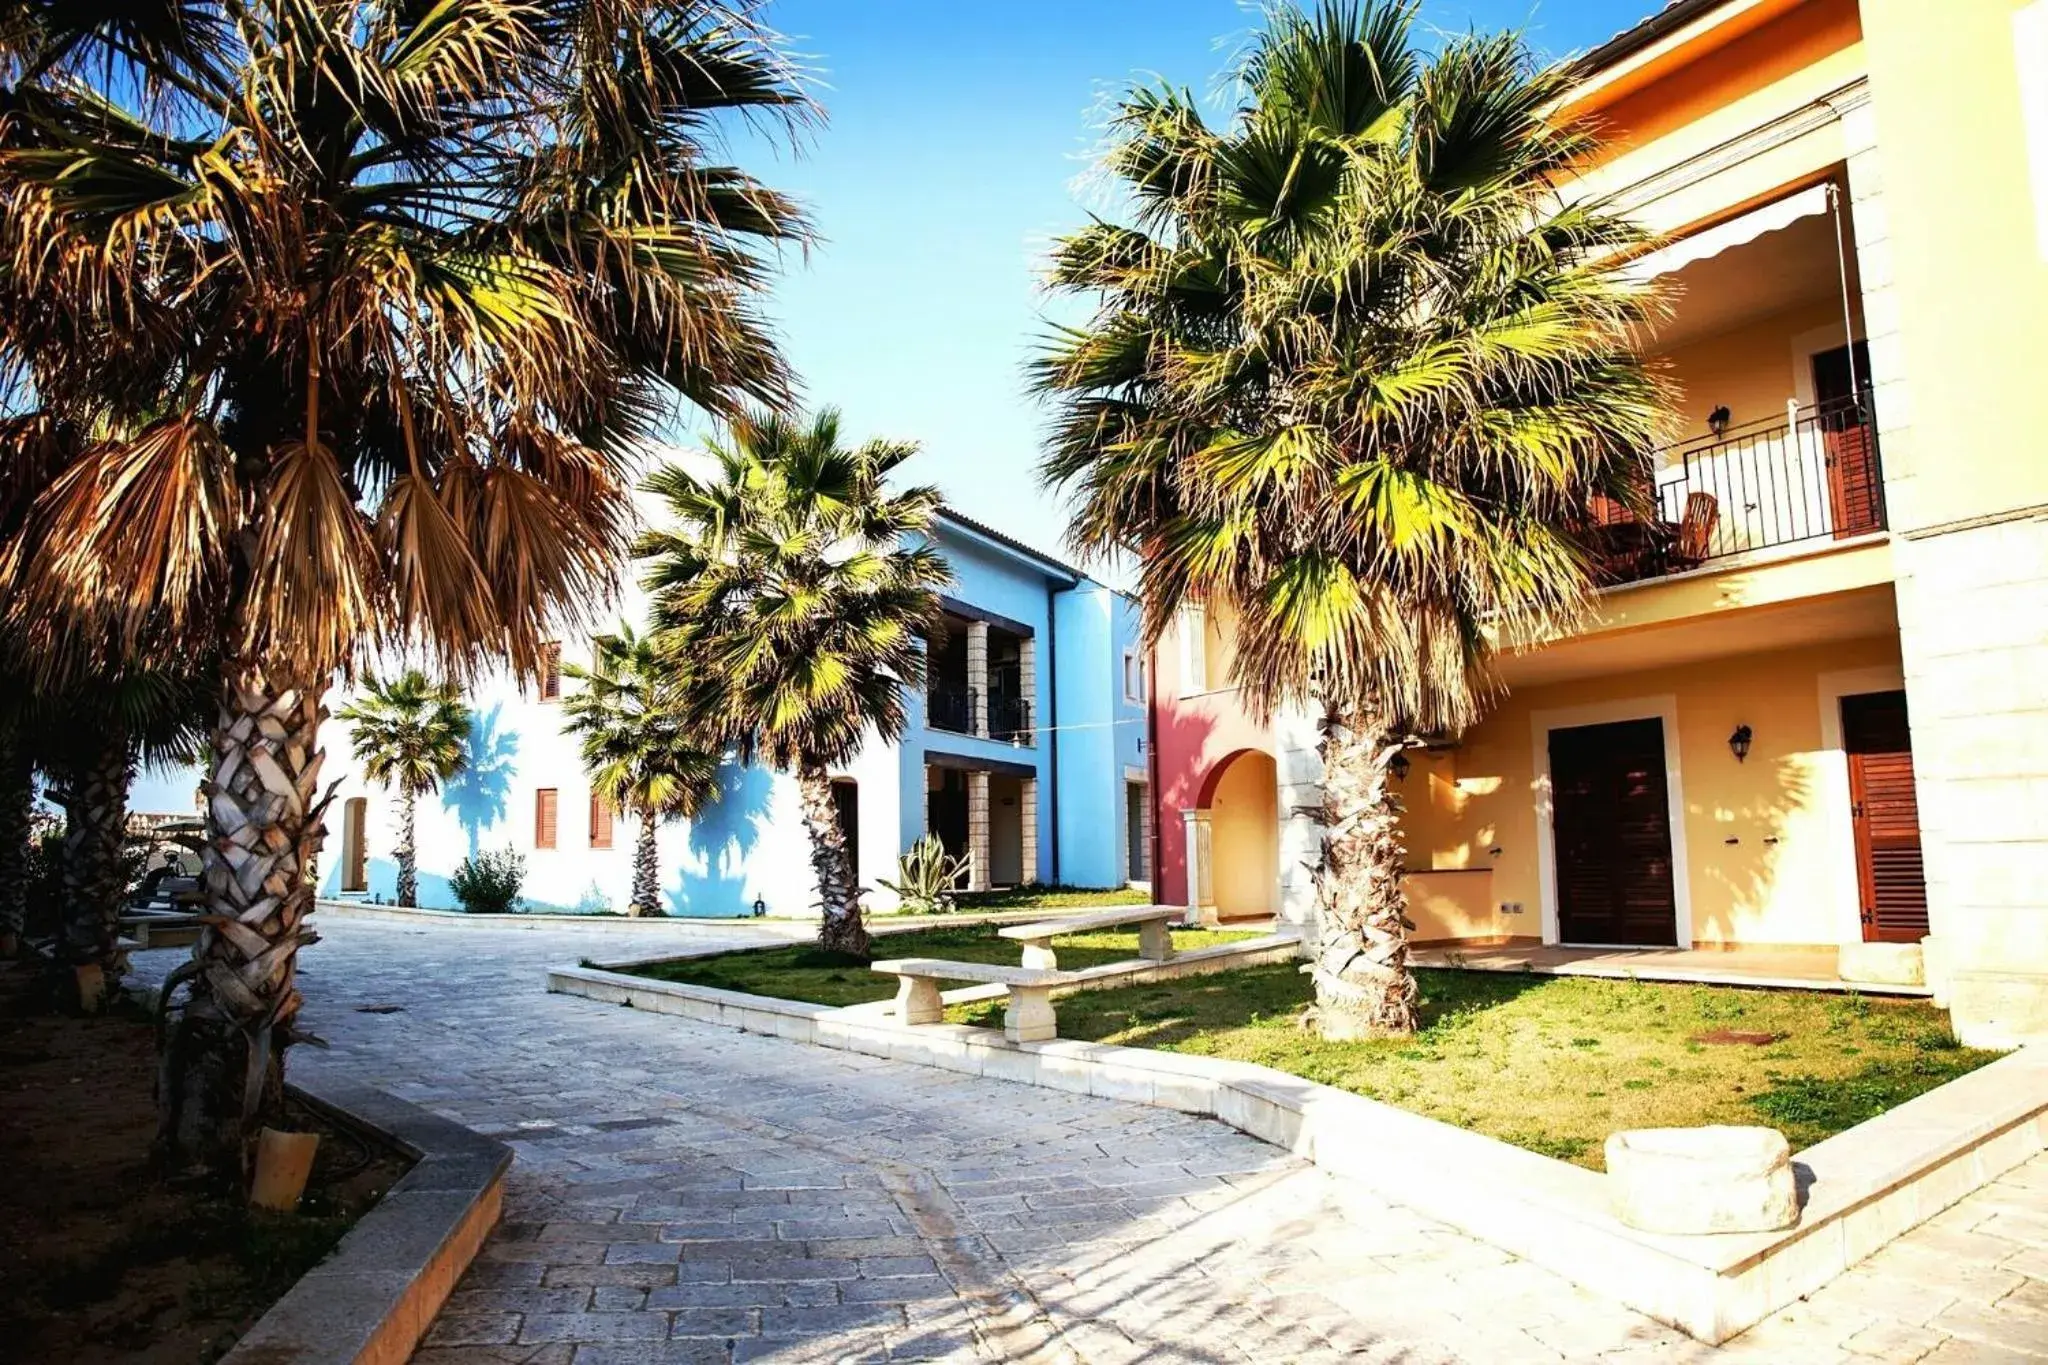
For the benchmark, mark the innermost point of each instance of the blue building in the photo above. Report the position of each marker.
(1022, 750)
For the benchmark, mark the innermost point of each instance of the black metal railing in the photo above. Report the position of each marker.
(949, 706)
(1009, 719)
(1811, 475)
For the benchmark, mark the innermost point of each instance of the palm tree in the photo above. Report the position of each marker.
(640, 747)
(1355, 370)
(384, 302)
(796, 588)
(411, 734)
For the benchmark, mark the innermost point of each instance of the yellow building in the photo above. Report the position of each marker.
(1812, 710)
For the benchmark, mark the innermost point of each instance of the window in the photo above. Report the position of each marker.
(600, 822)
(551, 672)
(544, 805)
(1194, 649)
(1136, 682)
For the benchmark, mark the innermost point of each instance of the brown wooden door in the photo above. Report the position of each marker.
(1891, 878)
(1611, 827)
(1841, 392)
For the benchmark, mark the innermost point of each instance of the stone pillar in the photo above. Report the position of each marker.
(977, 681)
(1299, 772)
(1972, 596)
(1027, 688)
(1027, 812)
(1141, 857)
(977, 831)
(1201, 871)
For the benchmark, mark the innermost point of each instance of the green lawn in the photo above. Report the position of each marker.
(809, 973)
(1046, 898)
(1555, 1064)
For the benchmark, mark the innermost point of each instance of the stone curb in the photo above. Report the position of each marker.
(1861, 1188)
(374, 1297)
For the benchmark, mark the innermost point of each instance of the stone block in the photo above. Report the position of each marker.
(1693, 1181)
(1881, 964)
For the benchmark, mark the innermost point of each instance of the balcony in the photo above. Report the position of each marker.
(949, 706)
(1809, 477)
(1009, 719)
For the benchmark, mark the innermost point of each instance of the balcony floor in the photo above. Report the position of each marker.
(1802, 969)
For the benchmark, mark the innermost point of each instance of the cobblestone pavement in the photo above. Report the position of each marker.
(687, 1194)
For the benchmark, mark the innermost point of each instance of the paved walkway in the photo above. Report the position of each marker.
(688, 1194)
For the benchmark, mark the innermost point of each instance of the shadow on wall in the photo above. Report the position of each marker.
(479, 793)
(382, 874)
(712, 883)
(1743, 876)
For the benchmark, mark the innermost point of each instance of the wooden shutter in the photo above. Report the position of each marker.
(550, 672)
(600, 822)
(544, 808)
(355, 863)
(1611, 834)
(1891, 874)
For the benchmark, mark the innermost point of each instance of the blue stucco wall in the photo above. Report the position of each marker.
(997, 581)
(1100, 733)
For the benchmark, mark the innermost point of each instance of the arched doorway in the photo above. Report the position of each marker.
(1234, 840)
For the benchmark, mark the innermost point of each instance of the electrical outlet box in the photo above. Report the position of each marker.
(1511, 907)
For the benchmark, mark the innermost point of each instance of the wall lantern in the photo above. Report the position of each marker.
(1717, 420)
(760, 907)
(1738, 743)
(1400, 767)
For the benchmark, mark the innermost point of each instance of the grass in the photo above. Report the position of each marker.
(810, 973)
(1555, 1064)
(1048, 898)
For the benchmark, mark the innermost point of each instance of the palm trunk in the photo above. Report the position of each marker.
(17, 797)
(1363, 986)
(222, 1069)
(841, 930)
(646, 868)
(408, 848)
(95, 883)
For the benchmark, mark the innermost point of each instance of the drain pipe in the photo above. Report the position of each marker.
(1052, 715)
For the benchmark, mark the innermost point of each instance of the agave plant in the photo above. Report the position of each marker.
(365, 311)
(796, 588)
(641, 747)
(411, 734)
(1355, 371)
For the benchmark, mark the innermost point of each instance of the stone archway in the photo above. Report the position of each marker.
(1234, 840)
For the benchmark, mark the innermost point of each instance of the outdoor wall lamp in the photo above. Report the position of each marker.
(1400, 767)
(760, 907)
(1717, 420)
(1738, 743)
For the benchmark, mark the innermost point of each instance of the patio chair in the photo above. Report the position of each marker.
(1695, 538)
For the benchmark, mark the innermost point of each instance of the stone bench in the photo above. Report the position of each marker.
(1155, 943)
(1028, 1017)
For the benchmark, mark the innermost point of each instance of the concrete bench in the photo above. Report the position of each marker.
(1027, 1018)
(1155, 944)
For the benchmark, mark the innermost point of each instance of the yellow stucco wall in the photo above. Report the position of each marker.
(1971, 282)
(1751, 891)
(1753, 368)
(1459, 907)
(1244, 833)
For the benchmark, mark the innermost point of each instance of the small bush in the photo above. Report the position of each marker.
(489, 883)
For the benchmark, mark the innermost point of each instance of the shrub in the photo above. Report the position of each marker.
(488, 883)
(926, 877)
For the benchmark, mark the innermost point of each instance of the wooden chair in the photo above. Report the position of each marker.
(1695, 538)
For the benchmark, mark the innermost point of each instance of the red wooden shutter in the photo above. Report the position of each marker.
(1890, 871)
(550, 672)
(544, 805)
(600, 822)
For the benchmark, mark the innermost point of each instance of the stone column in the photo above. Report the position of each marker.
(977, 831)
(977, 681)
(1027, 688)
(1201, 872)
(1027, 812)
(1299, 772)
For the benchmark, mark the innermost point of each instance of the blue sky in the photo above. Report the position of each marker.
(959, 133)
